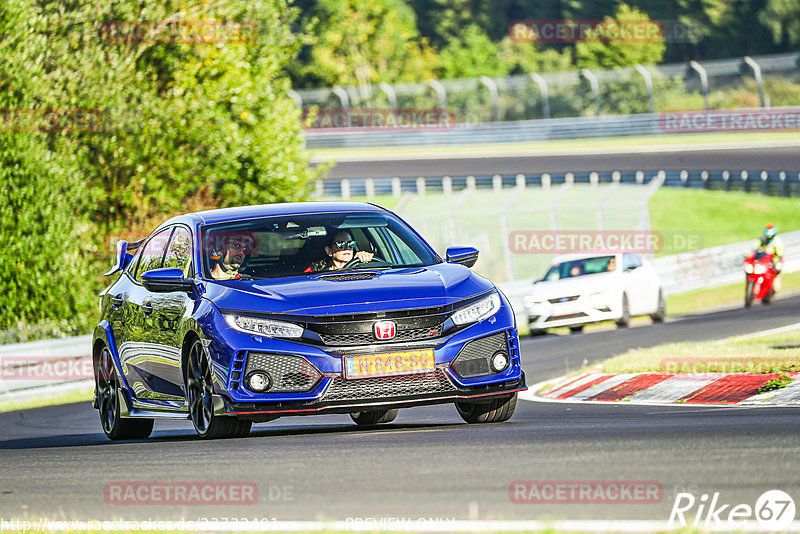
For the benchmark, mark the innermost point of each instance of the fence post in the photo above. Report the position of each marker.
(784, 188)
(726, 176)
(639, 177)
(589, 75)
(648, 83)
(594, 179)
(746, 181)
(685, 178)
(695, 66)
(546, 181)
(497, 183)
(765, 181)
(520, 181)
(440, 92)
(345, 188)
(492, 86)
(343, 97)
(369, 184)
(569, 178)
(298, 100)
(615, 177)
(471, 183)
(390, 94)
(420, 185)
(397, 190)
(542, 83)
(750, 62)
(447, 185)
(704, 178)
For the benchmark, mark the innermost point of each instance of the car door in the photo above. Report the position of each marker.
(136, 349)
(635, 281)
(162, 361)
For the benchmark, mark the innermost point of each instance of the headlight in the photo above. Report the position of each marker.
(748, 268)
(263, 327)
(533, 301)
(479, 311)
(760, 269)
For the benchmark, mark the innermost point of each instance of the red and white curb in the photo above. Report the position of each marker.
(667, 388)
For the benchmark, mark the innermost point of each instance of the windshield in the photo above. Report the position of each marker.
(581, 267)
(306, 244)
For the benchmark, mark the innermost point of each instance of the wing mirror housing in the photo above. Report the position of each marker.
(166, 280)
(466, 256)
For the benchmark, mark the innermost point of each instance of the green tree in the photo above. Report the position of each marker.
(609, 45)
(361, 42)
(782, 17)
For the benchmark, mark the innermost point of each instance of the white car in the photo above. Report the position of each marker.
(580, 289)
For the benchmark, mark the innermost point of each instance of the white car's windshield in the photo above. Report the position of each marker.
(581, 267)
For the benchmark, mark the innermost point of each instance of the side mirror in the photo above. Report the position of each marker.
(166, 280)
(466, 256)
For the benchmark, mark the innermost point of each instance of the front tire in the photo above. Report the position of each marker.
(661, 310)
(496, 411)
(748, 294)
(625, 319)
(373, 417)
(200, 392)
(576, 329)
(107, 390)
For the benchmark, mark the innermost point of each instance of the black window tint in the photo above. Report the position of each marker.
(179, 250)
(152, 256)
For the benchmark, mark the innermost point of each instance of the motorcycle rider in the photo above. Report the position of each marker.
(770, 243)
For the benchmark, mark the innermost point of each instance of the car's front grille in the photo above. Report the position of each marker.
(559, 300)
(411, 334)
(342, 389)
(566, 316)
(288, 373)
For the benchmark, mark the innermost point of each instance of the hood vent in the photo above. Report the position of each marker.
(347, 277)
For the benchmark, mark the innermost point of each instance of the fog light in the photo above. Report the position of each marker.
(499, 361)
(258, 381)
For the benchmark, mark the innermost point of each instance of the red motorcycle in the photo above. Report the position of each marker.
(761, 274)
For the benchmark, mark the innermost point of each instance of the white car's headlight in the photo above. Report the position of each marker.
(263, 327)
(479, 311)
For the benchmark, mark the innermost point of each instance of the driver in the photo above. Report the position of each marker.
(339, 252)
(231, 255)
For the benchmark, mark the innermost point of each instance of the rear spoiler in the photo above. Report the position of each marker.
(124, 255)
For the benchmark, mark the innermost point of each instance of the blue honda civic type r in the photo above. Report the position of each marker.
(238, 316)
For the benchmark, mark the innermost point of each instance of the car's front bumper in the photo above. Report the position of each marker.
(581, 311)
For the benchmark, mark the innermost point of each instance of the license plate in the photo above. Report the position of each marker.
(389, 364)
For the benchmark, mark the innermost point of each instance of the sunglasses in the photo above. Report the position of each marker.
(341, 245)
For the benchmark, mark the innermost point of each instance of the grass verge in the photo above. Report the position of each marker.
(49, 400)
(777, 353)
(715, 297)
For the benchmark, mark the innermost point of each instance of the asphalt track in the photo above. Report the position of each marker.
(55, 462)
(711, 159)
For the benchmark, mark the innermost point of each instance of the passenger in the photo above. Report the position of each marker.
(576, 270)
(339, 252)
(612, 264)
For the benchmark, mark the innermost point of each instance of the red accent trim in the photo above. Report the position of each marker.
(583, 387)
(387, 402)
(629, 387)
(729, 389)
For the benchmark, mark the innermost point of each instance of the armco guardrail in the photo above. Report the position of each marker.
(44, 365)
(534, 130)
(781, 183)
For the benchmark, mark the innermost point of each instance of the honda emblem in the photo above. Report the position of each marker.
(385, 329)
